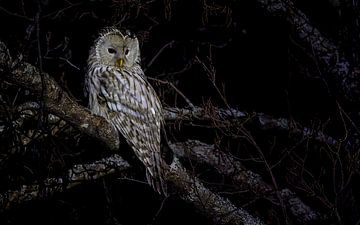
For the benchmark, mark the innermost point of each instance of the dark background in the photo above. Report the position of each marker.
(258, 66)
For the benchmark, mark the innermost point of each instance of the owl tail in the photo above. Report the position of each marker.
(156, 176)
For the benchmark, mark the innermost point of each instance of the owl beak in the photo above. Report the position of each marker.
(120, 63)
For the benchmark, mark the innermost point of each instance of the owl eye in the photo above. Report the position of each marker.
(111, 50)
(126, 51)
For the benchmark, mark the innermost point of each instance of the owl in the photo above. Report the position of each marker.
(119, 92)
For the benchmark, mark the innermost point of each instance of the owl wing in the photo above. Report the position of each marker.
(136, 112)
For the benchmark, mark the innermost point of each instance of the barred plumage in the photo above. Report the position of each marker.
(119, 92)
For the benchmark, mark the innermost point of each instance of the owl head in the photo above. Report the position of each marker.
(113, 48)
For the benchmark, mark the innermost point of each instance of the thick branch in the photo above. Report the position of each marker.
(222, 211)
(346, 77)
(244, 178)
(218, 209)
(263, 121)
(203, 114)
(75, 176)
(56, 100)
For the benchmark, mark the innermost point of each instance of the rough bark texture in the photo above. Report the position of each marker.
(76, 175)
(56, 101)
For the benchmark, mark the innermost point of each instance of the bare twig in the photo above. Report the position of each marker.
(220, 210)
(75, 176)
(59, 12)
(245, 179)
(263, 121)
(16, 14)
(336, 67)
(43, 88)
(176, 89)
(158, 54)
(211, 73)
(59, 103)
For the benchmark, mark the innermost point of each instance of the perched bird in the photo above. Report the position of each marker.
(119, 92)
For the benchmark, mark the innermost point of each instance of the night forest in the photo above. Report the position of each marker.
(261, 105)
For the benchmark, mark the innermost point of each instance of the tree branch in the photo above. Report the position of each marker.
(245, 179)
(221, 210)
(76, 175)
(57, 102)
(263, 121)
(337, 67)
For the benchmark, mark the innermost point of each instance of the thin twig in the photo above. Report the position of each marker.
(263, 121)
(76, 175)
(226, 165)
(176, 89)
(158, 54)
(58, 12)
(16, 15)
(221, 210)
(42, 118)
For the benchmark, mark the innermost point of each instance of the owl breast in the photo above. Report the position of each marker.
(131, 105)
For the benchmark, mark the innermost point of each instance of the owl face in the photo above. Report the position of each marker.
(115, 49)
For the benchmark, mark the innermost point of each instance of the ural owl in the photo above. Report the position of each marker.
(119, 92)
